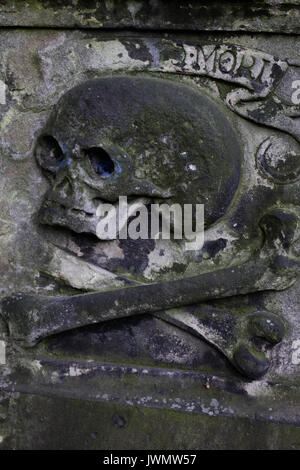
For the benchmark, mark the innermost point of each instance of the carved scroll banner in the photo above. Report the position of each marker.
(269, 85)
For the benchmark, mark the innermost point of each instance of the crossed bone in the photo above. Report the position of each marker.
(30, 318)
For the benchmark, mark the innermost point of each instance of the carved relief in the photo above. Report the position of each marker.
(154, 140)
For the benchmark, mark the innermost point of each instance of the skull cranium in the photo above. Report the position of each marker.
(136, 137)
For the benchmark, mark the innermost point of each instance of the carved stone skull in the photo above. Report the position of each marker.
(136, 137)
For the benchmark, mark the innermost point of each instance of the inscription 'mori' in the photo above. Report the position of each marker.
(231, 63)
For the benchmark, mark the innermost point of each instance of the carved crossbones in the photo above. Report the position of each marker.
(158, 140)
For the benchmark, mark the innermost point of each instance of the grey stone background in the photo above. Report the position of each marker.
(46, 48)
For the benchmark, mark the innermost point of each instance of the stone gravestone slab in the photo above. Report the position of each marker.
(101, 338)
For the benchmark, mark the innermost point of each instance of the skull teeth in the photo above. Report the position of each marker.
(54, 213)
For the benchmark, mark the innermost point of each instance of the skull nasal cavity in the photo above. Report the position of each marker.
(100, 161)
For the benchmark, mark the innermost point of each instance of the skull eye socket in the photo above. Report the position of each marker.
(48, 153)
(101, 162)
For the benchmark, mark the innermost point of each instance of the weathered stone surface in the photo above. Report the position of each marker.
(278, 16)
(113, 426)
(234, 352)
